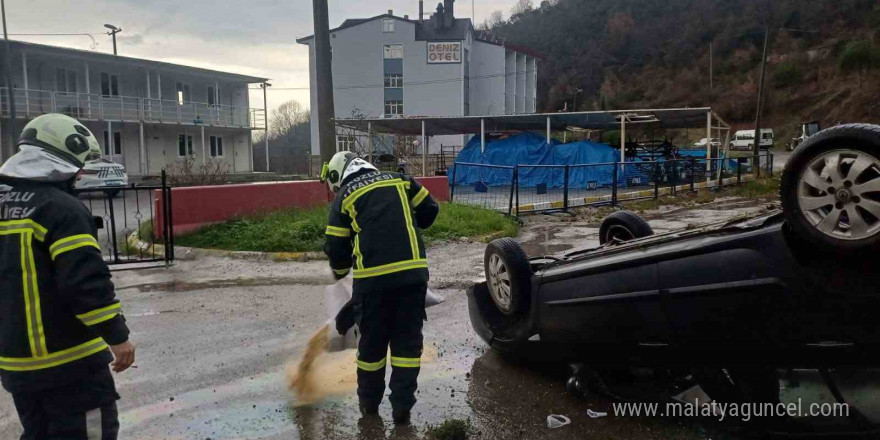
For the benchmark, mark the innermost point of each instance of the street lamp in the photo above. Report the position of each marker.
(113, 31)
(575, 106)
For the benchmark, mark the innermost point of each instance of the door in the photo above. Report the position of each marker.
(616, 307)
(113, 146)
(724, 304)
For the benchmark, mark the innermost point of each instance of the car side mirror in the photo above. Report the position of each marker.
(99, 222)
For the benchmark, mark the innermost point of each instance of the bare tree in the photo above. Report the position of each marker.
(521, 7)
(285, 118)
(495, 19)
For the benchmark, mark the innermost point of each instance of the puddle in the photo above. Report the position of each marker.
(186, 286)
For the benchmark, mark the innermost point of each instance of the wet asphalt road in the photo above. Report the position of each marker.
(214, 336)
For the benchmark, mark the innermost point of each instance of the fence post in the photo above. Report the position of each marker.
(721, 172)
(513, 183)
(565, 190)
(739, 170)
(516, 184)
(656, 179)
(452, 186)
(674, 179)
(693, 169)
(614, 185)
(770, 164)
(115, 245)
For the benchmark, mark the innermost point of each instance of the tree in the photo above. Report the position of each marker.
(521, 7)
(496, 19)
(859, 56)
(285, 118)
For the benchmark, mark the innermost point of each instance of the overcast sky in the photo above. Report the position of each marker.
(255, 37)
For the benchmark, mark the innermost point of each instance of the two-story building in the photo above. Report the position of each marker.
(390, 66)
(146, 114)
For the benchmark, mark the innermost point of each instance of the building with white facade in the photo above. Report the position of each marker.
(146, 114)
(392, 67)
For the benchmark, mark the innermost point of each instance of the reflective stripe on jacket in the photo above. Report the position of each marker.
(373, 228)
(58, 303)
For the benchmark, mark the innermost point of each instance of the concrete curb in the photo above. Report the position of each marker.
(187, 253)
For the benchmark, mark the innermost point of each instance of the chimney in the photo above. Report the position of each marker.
(406, 17)
(391, 12)
(421, 10)
(449, 8)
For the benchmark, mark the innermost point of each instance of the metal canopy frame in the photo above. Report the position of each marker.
(426, 126)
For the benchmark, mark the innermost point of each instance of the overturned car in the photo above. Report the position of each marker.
(798, 287)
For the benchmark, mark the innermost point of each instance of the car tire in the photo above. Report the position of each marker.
(623, 226)
(830, 189)
(508, 276)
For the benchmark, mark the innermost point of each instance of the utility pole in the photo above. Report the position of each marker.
(324, 80)
(756, 147)
(711, 64)
(10, 149)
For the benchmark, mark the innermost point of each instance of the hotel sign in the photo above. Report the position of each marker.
(444, 52)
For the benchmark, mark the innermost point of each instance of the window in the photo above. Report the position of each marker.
(393, 107)
(388, 25)
(65, 80)
(117, 144)
(184, 145)
(211, 97)
(345, 143)
(216, 146)
(393, 51)
(394, 80)
(182, 93)
(109, 84)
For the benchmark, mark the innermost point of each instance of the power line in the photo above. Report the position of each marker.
(406, 83)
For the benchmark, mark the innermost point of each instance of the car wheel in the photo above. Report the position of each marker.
(830, 189)
(508, 275)
(623, 226)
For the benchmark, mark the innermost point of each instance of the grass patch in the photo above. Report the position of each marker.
(452, 429)
(296, 230)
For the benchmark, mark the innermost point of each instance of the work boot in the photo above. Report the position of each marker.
(400, 417)
(368, 410)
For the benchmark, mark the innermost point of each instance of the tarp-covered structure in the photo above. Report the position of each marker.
(536, 158)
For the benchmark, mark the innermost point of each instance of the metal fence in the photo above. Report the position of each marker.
(127, 219)
(534, 188)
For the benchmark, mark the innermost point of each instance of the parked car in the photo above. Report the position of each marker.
(795, 287)
(745, 139)
(99, 172)
(702, 143)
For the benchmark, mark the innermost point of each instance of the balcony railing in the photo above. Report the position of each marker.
(93, 107)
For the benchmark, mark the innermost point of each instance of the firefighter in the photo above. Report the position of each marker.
(373, 231)
(58, 310)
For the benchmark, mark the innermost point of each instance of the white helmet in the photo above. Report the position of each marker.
(342, 165)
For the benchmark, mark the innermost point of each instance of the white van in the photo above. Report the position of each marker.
(745, 139)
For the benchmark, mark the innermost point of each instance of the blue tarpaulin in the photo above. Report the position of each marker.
(530, 149)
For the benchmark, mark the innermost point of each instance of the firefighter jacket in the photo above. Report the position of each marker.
(58, 310)
(373, 228)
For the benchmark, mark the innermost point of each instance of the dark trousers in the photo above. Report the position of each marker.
(390, 317)
(85, 410)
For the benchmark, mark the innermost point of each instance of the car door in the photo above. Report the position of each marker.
(612, 302)
(724, 296)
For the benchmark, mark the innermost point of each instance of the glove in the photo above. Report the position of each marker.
(345, 318)
(339, 274)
